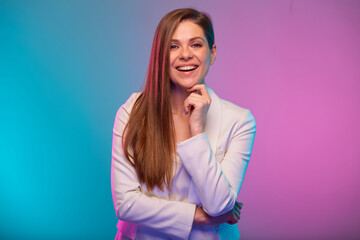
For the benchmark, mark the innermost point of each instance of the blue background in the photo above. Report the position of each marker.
(66, 67)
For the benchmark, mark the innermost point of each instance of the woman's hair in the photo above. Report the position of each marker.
(149, 137)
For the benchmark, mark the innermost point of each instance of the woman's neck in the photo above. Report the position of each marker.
(178, 96)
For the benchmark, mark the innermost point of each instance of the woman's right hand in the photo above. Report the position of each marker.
(231, 217)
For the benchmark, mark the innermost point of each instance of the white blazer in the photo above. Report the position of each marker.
(210, 169)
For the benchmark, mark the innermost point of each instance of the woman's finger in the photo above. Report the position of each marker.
(237, 214)
(238, 211)
(194, 100)
(201, 88)
(239, 204)
(187, 106)
(232, 220)
(197, 97)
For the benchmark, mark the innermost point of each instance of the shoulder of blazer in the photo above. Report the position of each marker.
(227, 112)
(235, 113)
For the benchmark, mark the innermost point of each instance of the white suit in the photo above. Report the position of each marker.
(210, 169)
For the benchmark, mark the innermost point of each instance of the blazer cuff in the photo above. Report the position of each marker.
(196, 153)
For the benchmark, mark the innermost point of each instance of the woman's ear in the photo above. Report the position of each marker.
(213, 54)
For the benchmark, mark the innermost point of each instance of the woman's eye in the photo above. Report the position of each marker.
(173, 47)
(197, 45)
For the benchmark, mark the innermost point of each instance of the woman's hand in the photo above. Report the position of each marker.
(231, 217)
(197, 104)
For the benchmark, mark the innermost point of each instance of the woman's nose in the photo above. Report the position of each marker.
(185, 53)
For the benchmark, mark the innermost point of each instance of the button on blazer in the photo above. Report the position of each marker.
(210, 169)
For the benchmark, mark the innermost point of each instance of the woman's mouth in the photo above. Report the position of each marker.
(187, 68)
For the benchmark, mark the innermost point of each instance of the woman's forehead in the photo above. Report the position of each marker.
(188, 30)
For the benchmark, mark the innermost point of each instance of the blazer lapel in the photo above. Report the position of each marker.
(213, 119)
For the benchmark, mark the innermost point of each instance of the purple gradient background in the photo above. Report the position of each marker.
(295, 65)
(69, 65)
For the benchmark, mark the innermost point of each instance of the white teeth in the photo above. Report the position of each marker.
(186, 68)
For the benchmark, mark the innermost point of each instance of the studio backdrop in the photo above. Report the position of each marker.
(67, 66)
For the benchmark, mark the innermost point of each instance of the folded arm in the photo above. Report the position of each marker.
(218, 184)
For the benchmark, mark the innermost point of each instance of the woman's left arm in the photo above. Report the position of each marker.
(218, 184)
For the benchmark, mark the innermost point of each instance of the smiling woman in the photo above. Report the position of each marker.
(190, 55)
(180, 152)
(190, 59)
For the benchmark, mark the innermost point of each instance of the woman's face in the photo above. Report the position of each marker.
(190, 55)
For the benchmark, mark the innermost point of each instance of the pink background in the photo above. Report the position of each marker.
(295, 65)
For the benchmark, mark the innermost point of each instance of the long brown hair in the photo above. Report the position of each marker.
(149, 137)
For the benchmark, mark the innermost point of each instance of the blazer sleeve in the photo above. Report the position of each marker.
(172, 218)
(218, 184)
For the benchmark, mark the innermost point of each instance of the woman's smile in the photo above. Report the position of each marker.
(187, 68)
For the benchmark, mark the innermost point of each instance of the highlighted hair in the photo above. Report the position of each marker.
(149, 136)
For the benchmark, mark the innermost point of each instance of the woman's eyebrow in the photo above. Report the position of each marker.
(190, 40)
(194, 38)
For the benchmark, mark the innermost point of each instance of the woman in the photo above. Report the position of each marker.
(179, 151)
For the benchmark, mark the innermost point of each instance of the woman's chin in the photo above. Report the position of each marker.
(186, 84)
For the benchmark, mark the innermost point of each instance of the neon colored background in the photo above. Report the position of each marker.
(67, 66)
